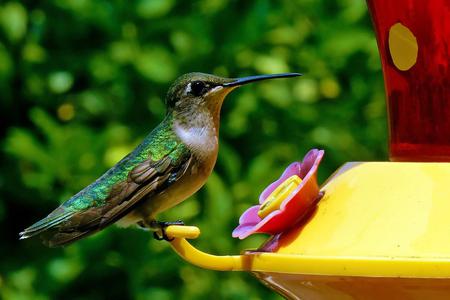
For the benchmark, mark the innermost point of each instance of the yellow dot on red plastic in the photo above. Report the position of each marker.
(403, 47)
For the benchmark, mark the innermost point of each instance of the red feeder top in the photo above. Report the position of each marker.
(414, 43)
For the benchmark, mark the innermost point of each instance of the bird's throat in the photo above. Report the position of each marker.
(197, 124)
(199, 133)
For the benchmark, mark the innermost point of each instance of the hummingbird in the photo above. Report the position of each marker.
(172, 163)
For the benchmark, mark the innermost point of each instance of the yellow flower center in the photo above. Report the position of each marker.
(274, 200)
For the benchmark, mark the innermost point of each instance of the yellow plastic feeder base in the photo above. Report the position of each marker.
(382, 231)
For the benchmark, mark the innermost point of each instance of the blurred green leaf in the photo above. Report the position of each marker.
(153, 8)
(13, 19)
(156, 64)
(6, 64)
(60, 82)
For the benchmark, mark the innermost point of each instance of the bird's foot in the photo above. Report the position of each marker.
(161, 234)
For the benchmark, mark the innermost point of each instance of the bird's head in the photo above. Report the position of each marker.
(197, 92)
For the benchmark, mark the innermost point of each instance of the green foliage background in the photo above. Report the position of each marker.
(82, 82)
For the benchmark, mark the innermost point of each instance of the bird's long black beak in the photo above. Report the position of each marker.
(249, 79)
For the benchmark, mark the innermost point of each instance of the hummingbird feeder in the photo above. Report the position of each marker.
(381, 230)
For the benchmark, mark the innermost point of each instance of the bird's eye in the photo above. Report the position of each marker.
(198, 88)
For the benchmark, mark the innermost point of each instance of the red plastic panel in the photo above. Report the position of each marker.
(418, 99)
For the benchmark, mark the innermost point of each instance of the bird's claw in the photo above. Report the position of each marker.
(162, 237)
(162, 228)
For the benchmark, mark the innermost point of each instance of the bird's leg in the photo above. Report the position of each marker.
(159, 228)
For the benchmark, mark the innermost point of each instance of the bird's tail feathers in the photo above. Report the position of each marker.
(54, 219)
(59, 239)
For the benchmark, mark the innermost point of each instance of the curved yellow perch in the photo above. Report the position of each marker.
(254, 261)
(200, 258)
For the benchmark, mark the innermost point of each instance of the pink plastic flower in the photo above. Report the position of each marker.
(294, 208)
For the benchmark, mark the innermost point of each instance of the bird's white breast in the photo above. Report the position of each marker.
(202, 140)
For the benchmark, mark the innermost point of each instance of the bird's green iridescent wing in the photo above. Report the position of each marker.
(146, 179)
(155, 164)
